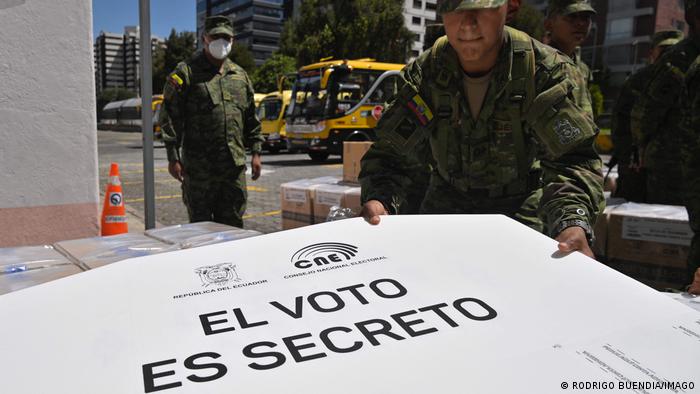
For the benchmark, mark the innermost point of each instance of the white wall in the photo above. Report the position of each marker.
(48, 148)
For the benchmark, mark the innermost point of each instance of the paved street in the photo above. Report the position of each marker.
(263, 213)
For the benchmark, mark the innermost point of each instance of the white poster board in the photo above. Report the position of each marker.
(420, 304)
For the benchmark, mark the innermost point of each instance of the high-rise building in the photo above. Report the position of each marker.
(117, 59)
(417, 15)
(257, 24)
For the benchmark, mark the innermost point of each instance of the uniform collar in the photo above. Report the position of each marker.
(228, 65)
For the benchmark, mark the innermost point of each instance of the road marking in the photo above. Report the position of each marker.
(141, 171)
(332, 165)
(256, 215)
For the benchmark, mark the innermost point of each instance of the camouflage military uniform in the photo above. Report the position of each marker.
(485, 165)
(212, 119)
(656, 123)
(631, 184)
(691, 159)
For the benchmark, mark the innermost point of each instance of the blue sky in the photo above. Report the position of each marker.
(113, 15)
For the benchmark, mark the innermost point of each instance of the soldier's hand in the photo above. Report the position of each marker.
(695, 286)
(574, 239)
(176, 170)
(256, 164)
(372, 210)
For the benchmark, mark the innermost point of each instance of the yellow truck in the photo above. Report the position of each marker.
(336, 101)
(271, 114)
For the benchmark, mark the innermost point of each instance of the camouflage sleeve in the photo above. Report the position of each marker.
(252, 132)
(660, 96)
(172, 112)
(620, 126)
(386, 169)
(572, 170)
(691, 160)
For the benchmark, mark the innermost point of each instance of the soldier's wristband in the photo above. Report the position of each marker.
(563, 225)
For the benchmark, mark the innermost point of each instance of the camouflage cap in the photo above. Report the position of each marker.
(666, 38)
(218, 25)
(460, 5)
(568, 7)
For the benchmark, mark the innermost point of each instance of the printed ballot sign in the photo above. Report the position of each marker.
(417, 304)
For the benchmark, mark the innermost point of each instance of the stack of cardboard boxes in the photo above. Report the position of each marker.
(647, 242)
(309, 201)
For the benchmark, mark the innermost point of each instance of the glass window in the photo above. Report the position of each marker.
(418, 4)
(415, 20)
(620, 28)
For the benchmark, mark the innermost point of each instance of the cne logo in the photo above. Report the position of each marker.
(219, 275)
(322, 254)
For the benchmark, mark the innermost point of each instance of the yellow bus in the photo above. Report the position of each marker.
(271, 113)
(336, 101)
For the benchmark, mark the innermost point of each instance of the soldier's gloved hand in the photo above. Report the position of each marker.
(573, 239)
(176, 170)
(256, 164)
(695, 286)
(372, 210)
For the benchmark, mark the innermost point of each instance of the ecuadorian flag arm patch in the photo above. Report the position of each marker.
(176, 81)
(420, 109)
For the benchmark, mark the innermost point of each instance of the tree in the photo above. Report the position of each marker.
(265, 77)
(178, 47)
(242, 56)
(346, 30)
(529, 20)
(112, 94)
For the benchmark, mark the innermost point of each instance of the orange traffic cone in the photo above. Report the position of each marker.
(114, 212)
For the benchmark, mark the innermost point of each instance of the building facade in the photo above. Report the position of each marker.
(418, 14)
(117, 59)
(257, 24)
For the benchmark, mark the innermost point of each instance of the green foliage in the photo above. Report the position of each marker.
(529, 20)
(347, 30)
(265, 77)
(242, 56)
(178, 47)
(112, 94)
(596, 98)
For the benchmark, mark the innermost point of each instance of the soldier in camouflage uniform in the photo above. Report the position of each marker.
(656, 118)
(691, 152)
(208, 121)
(484, 101)
(568, 23)
(631, 184)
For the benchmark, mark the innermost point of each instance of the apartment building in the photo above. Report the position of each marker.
(257, 23)
(117, 59)
(417, 15)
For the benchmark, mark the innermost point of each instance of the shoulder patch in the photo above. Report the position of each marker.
(175, 81)
(419, 108)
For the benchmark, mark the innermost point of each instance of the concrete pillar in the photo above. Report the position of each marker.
(48, 139)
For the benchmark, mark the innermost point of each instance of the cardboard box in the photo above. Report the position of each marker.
(652, 234)
(600, 246)
(352, 154)
(352, 200)
(90, 253)
(19, 280)
(327, 196)
(296, 201)
(657, 276)
(192, 235)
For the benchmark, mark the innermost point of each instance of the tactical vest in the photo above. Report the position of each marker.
(492, 155)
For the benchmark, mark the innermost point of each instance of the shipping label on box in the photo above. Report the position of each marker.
(657, 230)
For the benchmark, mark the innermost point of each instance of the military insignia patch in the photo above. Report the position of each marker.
(566, 132)
(176, 81)
(420, 109)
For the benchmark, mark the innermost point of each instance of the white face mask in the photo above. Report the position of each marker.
(220, 48)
